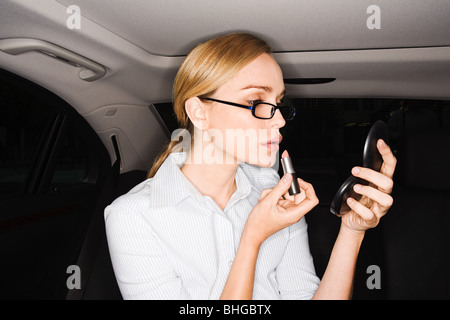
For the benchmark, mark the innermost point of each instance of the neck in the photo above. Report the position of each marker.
(213, 179)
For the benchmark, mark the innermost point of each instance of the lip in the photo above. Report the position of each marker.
(273, 144)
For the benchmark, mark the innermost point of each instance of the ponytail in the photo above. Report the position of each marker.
(162, 156)
(176, 144)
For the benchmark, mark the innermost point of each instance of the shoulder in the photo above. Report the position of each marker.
(260, 177)
(133, 203)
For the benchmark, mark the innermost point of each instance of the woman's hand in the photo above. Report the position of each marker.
(271, 214)
(276, 209)
(376, 199)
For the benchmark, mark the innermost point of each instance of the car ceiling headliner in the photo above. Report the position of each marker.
(172, 28)
(142, 43)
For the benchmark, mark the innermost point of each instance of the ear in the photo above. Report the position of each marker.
(196, 112)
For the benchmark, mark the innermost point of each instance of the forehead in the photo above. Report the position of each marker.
(263, 74)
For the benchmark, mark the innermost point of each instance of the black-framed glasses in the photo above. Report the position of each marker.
(262, 110)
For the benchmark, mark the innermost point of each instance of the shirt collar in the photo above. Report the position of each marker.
(170, 186)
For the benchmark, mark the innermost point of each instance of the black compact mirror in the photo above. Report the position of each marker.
(371, 159)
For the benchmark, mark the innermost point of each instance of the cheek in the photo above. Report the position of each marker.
(240, 137)
(231, 119)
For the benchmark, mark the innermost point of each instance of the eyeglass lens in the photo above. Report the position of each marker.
(266, 111)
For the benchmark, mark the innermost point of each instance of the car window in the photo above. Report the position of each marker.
(24, 122)
(331, 130)
(165, 111)
(71, 164)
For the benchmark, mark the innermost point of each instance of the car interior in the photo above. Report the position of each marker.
(85, 105)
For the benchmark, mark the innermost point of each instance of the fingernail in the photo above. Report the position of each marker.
(349, 200)
(382, 144)
(355, 170)
(357, 187)
(287, 178)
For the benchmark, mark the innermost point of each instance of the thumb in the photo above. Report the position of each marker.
(281, 188)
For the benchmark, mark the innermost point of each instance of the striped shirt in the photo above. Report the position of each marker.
(168, 241)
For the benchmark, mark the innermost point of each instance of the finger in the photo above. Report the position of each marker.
(264, 193)
(382, 181)
(383, 199)
(280, 189)
(285, 203)
(308, 189)
(287, 196)
(361, 210)
(296, 198)
(290, 201)
(389, 160)
(309, 202)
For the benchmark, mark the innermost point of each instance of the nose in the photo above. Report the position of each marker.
(277, 120)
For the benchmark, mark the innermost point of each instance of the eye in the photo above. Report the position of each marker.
(253, 102)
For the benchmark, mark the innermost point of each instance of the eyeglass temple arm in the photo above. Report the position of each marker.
(230, 103)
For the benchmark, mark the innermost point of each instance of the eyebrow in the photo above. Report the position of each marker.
(267, 89)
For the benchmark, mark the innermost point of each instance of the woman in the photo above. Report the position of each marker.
(214, 220)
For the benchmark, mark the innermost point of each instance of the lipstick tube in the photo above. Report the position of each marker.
(286, 162)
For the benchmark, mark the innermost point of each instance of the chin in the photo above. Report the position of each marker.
(266, 161)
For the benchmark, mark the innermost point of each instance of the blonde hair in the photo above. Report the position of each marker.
(206, 68)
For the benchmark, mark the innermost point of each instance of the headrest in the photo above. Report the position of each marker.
(424, 160)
